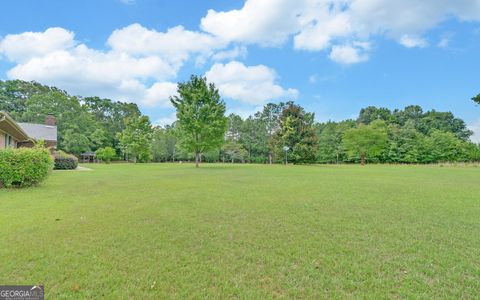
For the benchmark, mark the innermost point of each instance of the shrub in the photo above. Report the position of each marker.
(24, 167)
(64, 161)
(106, 154)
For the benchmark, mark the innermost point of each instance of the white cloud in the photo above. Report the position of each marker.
(138, 67)
(128, 2)
(413, 41)
(160, 93)
(264, 22)
(319, 34)
(28, 45)
(248, 84)
(350, 53)
(175, 45)
(475, 127)
(236, 52)
(316, 25)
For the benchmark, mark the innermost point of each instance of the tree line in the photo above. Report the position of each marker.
(280, 131)
(84, 123)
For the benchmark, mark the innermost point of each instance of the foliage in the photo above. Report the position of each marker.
(91, 123)
(106, 154)
(372, 113)
(24, 167)
(297, 132)
(64, 161)
(235, 152)
(330, 135)
(135, 140)
(201, 116)
(476, 99)
(84, 124)
(269, 121)
(365, 141)
(164, 144)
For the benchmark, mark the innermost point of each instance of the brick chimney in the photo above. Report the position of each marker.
(50, 120)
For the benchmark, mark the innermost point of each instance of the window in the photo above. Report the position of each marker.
(8, 141)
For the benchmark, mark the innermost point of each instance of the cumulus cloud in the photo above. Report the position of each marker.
(350, 53)
(317, 25)
(236, 52)
(319, 34)
(175, 45)
(160, 93)
(248, 84)
(138, 66)
(265, 22)
(25, 46)
(413, 41)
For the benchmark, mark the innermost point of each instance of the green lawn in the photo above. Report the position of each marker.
(246, 231)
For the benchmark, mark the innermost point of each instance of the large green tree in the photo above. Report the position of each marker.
(201, 116)
(136, 139)
(298, 134)
(366, 140)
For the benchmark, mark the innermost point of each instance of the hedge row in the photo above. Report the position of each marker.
(24, 167)
(64, 161)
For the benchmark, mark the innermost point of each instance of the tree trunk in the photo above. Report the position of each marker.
(362, 159)
(270, 157)
(197, 159)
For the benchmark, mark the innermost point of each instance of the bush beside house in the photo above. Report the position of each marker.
(24, 167)
(106, 154)
(64, 161)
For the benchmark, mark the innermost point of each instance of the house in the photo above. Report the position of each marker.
(16, 135)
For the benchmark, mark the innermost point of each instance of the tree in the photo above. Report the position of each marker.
(135, 139)
(75, 142)
(297, 133)
(269, 121)
(330, 135)
(445, 146)
(234, 127)
(106, 154)
(476, 99)
(201, 116)
(235, 151)
(164, 144)
(372, 113)
(443, 121)
(366, 140)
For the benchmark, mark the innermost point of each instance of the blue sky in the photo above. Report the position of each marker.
(331, 56)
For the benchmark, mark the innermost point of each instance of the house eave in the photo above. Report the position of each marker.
(13, 128)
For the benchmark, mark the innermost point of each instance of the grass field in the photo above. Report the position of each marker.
(246, 231)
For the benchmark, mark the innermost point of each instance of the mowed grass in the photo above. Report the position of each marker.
(159, 231)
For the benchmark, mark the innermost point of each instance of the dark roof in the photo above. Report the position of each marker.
(88, 153)
(40, 131)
